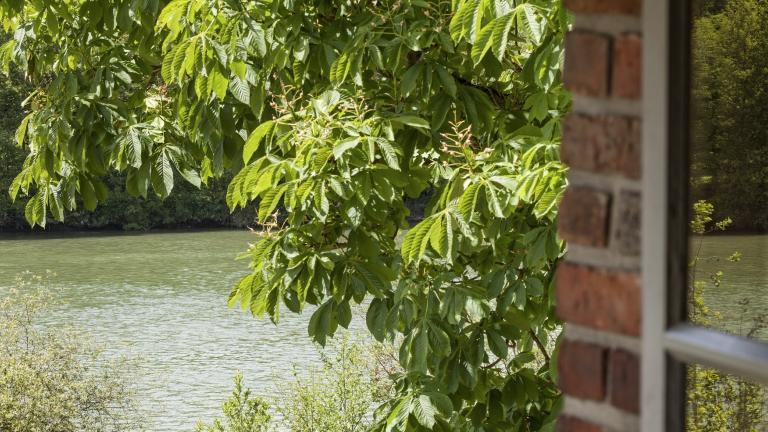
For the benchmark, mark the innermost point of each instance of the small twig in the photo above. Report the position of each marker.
(495, 362)
(541, 346)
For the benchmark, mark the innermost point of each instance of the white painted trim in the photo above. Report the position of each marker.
(654, 213)
(725, 352)
(614, 106)
(607, 23)
(601, 413)
(575, 332)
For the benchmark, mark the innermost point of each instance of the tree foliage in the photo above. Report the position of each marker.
(187, 207)
(333, 113)
(730, 78)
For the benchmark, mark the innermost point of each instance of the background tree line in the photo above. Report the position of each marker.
(730, 96)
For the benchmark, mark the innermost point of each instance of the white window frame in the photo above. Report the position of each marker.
(668, 341)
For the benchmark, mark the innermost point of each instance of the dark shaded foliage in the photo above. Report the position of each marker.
(730, 96)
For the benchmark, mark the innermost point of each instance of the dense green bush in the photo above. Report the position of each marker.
(56, 380)
(242, 413)
(339, 396)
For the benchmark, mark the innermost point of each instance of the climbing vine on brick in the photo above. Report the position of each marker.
(333, 113)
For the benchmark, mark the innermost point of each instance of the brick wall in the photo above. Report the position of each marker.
(598, 287)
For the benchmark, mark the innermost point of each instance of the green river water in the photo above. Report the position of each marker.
(746, 279)
(161, 298)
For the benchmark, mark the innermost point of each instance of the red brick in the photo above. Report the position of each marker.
(604, 144)
(627, 66)
(582, 369)
(627, 224)
(617, 7)
(587, 63)
(604, 300)
(583, 217)
(573, 424)
(625, 381)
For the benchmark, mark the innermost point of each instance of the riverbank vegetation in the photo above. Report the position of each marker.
(56, 379)
(716, 400)
(340, 395)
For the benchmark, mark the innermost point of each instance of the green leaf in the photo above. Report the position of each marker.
(256, 138)
(137, 181)
(408, 84)
(467, 20)
(20, 183)
(494, 205)
(327, 101)
(424, 411)
(438, 238)
(88, 194)
(162, 174)
(179, 56)
(507, 182)
(389, 153)
(501, 31)
(534, 287)
(218, 83)
(398, 417)
(473, 17)
(344, 145)
(531, 21)
(190, 175)
(441, 402)
(240, 89)
(21, 131)
(376, 318)
(410, 120)
(439, 341)
(414, 239)
(269, 202)
(320, 322)
(497, 344)
(166, 70)
(34, 211)
(133, 147)
(259, 40)
(482, 44)
(239, 68)
(419, 351)
(447, 80)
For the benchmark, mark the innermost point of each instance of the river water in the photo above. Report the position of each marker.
(161, 298)
(745, 280)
